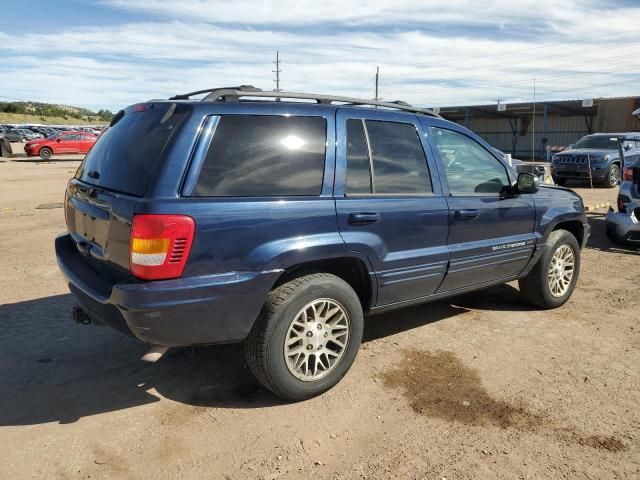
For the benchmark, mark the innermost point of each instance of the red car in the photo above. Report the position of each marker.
(65, 142)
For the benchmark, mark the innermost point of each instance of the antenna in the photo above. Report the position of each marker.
(277, 71)
(377, 82)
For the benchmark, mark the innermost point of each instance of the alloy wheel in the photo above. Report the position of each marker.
(561, 270)
(316, 339)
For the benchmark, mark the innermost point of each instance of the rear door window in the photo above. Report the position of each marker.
(358, 164)
(264, 155)
(393, 161)
(125, 156)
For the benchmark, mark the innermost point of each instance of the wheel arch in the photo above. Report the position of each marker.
(352, 270)
(575, 227)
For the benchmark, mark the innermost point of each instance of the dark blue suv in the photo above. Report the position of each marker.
(280, 224)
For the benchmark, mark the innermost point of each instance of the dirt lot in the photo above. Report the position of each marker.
(481, 386)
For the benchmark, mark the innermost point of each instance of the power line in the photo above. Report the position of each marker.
(519, 82)
(508, 52)
(547, 91)
(592, 61)
(514, 62)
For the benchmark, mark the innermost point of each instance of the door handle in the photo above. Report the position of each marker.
(363, 218)
(466, 214)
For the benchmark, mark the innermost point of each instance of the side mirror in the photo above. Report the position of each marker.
(59, 140)
(627, 146)
(528, 183)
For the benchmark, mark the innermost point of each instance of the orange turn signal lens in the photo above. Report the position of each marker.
(149, 245)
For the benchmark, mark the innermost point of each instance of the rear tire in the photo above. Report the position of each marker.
(45, 153)
(548, 285)
(290, 331)
(612, 180)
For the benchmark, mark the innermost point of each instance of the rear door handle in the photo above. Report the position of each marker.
(466, 214)
(363, 218)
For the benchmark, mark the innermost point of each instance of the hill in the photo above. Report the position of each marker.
(39, 112)
(49, 120)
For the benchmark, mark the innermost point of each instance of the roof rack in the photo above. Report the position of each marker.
(231, 94)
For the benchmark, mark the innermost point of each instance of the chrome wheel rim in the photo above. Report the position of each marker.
(561, 270)
(316, 339)
(614, 176)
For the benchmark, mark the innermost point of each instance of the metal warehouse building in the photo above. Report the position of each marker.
(556, 124)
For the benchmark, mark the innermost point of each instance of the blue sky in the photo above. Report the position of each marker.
(110, 53)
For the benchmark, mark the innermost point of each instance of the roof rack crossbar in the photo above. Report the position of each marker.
(234, 94)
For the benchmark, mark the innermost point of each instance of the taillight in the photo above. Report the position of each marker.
(621, 201)
(160, 245)
(627, 174)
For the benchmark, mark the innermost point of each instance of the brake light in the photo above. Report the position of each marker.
(621, 207)
(160, 245)
(140, 107)
(627, 175)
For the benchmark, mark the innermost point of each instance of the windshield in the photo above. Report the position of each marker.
(602, 142)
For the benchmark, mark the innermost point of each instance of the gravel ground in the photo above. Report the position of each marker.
(481, 386)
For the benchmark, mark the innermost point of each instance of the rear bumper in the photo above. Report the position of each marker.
(624, 226)
(202, 310)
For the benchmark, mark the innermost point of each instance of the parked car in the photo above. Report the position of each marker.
(535, 168)
(602, 152)
(280, 224)
(20, 135)
(65, 142)
(623, 226)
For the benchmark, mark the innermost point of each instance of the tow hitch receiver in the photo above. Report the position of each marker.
(80, 316)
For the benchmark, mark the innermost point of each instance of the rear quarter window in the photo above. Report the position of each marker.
(126, 155)
(264, 155)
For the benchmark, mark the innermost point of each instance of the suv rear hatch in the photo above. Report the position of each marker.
(101, 199)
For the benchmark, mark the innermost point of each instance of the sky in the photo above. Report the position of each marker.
(111, 53)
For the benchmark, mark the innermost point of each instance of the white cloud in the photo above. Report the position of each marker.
(372, 12)
(194, 44)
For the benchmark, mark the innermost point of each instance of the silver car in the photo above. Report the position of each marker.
(623, 226)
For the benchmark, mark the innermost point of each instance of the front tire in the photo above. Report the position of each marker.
(45, 153)
(553, 279)
(306, 337)
(612, 179)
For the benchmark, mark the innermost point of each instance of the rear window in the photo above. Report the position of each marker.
(125, 156)
(264, 155)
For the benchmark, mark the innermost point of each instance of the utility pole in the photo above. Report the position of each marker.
(533, 124)
(377, 81)
(277, 71)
